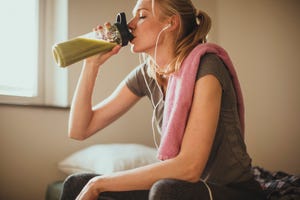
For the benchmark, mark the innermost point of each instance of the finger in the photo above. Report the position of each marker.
(99, 27)
(107, 25)
(114, 51)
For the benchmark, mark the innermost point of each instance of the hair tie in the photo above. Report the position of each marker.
(198, 21)
(198, 17)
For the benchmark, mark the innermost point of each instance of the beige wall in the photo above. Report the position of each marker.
(262, 39)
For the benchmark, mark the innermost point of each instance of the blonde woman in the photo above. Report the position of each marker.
(209, 160)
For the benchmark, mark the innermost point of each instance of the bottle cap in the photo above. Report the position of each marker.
(121, 25)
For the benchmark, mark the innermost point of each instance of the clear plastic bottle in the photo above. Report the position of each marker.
(103, 40)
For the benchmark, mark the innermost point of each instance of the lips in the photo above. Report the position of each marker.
(131, 41)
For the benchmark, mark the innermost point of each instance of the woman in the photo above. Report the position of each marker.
(211, 161)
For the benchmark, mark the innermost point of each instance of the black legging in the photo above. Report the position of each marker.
(169, 189)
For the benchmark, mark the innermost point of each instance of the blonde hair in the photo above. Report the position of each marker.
(194, 26)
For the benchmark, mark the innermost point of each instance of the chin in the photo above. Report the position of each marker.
(135, 49)
(132, 48)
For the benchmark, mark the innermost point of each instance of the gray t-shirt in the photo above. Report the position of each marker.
(229, 161)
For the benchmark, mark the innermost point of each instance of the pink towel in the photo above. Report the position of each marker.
(179, 98)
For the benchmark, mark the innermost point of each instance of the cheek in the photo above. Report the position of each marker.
(147, 38)
(144, 44)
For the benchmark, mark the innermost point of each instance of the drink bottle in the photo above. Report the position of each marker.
(92, 43)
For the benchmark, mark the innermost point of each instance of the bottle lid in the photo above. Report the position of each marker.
(121, 25)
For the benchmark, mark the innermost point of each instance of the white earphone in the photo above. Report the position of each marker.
(162, 30)
(166, 27)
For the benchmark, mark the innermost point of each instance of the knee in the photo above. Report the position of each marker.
(163, 190)
(70, 180)
(79, 179)
(69, 188)
(73, 184)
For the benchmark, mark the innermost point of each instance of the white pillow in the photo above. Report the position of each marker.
(107, 158)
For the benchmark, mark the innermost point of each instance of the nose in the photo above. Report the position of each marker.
(131, 24)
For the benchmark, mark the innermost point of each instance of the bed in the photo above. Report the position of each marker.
(54, 190)
(117, 157)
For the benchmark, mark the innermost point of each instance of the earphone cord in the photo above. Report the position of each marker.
(209, 190)
(156, 44)
(153, 120)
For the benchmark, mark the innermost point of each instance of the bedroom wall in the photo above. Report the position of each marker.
(262, 39)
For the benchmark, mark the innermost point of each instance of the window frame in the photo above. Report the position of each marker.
(52, 86)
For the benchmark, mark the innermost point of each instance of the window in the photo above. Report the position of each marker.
(28, 74)
(19, 48)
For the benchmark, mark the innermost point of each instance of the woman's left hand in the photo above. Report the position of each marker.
(90, 191)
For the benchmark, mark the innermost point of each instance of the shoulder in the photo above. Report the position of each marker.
(212, 64)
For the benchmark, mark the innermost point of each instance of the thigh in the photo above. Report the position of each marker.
(128, 195)
(75, 183)
(172, 189)
(228, 192)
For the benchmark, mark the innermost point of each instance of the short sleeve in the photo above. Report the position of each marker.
(135, 81)
(211, 64)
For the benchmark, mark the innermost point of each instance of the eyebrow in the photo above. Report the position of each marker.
(135, 11)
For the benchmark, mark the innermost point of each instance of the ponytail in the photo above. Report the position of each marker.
(197, 35)
(203, 22)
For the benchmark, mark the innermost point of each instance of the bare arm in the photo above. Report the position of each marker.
(190, 162)
(85, 120)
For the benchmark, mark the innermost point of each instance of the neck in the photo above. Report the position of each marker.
(162, 59)
(163, 52)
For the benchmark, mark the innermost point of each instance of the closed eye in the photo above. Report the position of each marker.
(141, 15)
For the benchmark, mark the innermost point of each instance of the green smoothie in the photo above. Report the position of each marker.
(74, 50)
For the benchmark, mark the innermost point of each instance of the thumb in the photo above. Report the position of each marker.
(114, 51)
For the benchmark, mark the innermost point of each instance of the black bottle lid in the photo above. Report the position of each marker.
(121, 24)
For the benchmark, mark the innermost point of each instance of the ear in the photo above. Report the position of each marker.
(174, 22)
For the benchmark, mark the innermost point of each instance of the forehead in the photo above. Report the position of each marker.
(142, 4)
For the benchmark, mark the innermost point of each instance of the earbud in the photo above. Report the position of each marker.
(166, 27)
